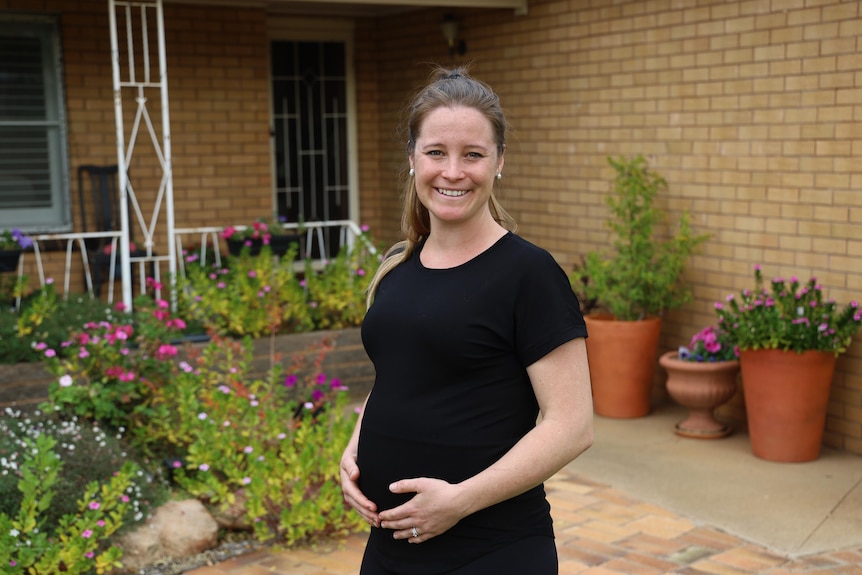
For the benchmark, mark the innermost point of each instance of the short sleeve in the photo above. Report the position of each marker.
(547, 311)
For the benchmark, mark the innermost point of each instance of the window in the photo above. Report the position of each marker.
(33, 171)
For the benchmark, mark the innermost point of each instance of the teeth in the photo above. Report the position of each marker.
(452, 193)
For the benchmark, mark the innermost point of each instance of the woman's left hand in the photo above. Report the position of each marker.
(433, 510)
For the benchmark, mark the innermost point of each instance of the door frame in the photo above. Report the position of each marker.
(310, 29)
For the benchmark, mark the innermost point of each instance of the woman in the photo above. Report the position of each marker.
(472, 331)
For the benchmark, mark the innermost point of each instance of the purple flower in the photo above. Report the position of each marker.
(290, 380)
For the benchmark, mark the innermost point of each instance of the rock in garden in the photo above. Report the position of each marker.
(177, 529)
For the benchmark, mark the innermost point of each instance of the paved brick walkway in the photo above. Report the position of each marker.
(600, 531)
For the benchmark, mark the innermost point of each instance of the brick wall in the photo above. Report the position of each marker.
(750, 109)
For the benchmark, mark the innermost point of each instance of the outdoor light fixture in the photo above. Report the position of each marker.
(449, 27)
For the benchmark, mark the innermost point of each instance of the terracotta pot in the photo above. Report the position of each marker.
(701, 387)
(786, 395)
(622, 356)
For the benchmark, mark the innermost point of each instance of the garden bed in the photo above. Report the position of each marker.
(27, 383)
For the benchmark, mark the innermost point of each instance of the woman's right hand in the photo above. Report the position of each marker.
(350, 488)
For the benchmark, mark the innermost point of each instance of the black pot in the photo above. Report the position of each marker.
(9, 260)
(279, 244)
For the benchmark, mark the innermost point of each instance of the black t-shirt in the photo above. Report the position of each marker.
(451, 394)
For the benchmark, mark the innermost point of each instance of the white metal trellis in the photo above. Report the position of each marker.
(137, 75)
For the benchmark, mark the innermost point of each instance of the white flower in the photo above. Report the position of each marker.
(14, 533)
(66, 380)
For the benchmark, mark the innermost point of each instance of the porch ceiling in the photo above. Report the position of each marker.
(358, 8)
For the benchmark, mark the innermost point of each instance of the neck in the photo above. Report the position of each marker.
(449, 246)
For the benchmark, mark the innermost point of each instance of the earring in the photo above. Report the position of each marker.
(411, 172)
(499, 175)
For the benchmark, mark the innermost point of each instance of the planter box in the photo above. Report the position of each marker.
(27, 383)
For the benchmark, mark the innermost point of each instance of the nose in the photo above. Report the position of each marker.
(453, 170)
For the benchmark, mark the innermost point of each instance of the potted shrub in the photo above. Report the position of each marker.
(633, 286)
(701, 377)
(789, 336)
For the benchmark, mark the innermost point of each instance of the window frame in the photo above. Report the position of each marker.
(57, 217)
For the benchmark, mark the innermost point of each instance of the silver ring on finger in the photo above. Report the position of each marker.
(415, 532)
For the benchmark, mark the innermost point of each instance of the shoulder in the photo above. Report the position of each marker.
(528, 254)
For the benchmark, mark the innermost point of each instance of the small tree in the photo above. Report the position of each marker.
(643, 276)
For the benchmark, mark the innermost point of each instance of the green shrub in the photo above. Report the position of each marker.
(337, 292)
(44, 317)
(251, 296)
(643, 275)
(108, 371)
(74, 489)
(87, 452)
(275, 442)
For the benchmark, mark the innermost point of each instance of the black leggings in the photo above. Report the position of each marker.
(534, 556)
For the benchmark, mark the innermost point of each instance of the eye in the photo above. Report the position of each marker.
(475, 155)
(434, 153)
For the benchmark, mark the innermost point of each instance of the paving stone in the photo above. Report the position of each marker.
(600, 531)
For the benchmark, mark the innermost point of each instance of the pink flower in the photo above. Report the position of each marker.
(124, 498)
(94, 505)
(89, 554)
(100, 522)
(86, 533)
(165, 351)
(50, 353)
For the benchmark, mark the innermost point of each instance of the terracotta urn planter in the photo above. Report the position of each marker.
(622, 356)
(786, 395)
(701, 387)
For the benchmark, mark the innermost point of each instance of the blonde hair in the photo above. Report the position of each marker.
(447, 88)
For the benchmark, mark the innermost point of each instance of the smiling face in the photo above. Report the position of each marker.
(455, 160)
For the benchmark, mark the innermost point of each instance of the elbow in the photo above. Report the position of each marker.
(581, 439)
(585, 439)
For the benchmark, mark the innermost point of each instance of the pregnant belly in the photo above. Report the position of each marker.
(383, 459)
